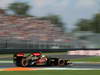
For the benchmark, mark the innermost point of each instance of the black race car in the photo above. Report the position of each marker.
(35, 59)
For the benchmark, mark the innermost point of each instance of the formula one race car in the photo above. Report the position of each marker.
(35, 59)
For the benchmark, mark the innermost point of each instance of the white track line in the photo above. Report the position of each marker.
(69, 69)
(2, 69)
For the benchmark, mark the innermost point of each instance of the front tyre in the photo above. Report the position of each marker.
(52, 61)
(61, 62)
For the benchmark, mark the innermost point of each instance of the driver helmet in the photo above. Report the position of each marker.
(43, 56)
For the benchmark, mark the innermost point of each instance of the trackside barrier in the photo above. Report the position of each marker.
(12, 51)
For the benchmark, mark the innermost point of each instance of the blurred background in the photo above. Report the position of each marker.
(49, 24)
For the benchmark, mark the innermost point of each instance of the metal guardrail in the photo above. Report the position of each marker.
(19, 44)
(11, 46)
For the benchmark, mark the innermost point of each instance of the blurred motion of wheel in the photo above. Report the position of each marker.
(24, 62)
(53, 61)
(17, 60)
(61, 62)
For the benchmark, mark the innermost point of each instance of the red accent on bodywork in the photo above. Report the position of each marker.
(42, 60)
(36, 54)
(20, 54)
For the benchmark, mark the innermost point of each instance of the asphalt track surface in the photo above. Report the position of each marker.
(4, 64)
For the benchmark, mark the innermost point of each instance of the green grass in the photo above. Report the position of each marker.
(88, 59)
(49, 72)
(6, 55)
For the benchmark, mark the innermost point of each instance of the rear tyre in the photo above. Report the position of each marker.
(24, 62)
(17, 61)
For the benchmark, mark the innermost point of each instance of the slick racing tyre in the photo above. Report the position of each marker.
(53, 61)
(17, 61)
(61, 62)
(24, 62)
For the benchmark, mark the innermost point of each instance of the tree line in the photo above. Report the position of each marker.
(92, 24)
